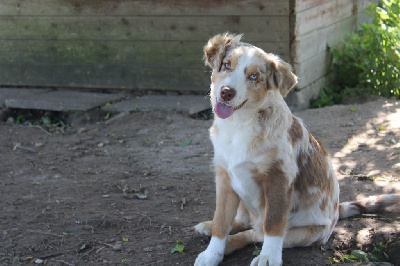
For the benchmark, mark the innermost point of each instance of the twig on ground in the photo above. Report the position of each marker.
(18, 145)
(365, 162)
(45, 131)
(97, 251)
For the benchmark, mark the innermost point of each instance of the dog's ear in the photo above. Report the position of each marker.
(215, 49)
(283, 77)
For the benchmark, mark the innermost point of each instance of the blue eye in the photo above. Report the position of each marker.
(227, 65)
(253, 76)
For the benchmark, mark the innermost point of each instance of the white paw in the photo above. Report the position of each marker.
(206, 258)
(264, 261)
(204, 228)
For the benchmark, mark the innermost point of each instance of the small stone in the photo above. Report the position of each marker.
(120, 141)
(38, 261)
(150, 249)
(81, 130)
(117, 247)
(105, 196)
(10, 120)
(39, 144)
(100, 145)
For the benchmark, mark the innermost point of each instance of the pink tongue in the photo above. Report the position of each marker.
(222, 110)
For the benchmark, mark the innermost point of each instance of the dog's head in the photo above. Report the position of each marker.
(243, 74)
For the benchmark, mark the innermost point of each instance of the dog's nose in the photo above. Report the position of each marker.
(227, 93)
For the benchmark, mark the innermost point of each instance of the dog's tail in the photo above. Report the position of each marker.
(367, 205)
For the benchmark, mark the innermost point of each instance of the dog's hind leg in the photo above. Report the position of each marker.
(310, 235)
(204, 228)
(242, 239)
(241, 222)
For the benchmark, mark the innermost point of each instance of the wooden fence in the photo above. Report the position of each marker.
(157, 44)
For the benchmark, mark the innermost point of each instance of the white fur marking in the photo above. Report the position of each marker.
(271, 252)
(214, 253)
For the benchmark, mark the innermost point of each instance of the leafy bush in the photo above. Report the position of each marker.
(331, 95)
(377, 254)
(369, 61)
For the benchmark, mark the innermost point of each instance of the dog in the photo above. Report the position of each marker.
(275, 183)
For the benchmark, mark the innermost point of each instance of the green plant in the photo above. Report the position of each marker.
(377, 254)
(370, 59)
(331, 95)
(179, 247)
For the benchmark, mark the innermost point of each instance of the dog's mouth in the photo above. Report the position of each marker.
(224, 111)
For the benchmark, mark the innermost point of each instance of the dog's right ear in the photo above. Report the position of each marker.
(215, 49)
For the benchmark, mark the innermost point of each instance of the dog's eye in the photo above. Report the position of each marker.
(253, 77)
(228, 65)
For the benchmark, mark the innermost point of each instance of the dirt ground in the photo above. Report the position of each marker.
(125, 189)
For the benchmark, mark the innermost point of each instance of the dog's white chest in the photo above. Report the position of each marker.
(231, 152)
(243, 183)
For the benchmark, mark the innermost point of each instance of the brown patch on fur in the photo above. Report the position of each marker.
(252, 69)
(227, 204)
(271, 154)
(313, 173)
(361, 208)
(317, 145)
(259, 140)
(312, 230)
(238, 227)
(216, 48)
(257, 89)
(324, 203)
(295, 132)
(258, 92)
(277, 198)
(334, 220)
(281, 76)
(241, 240)
(242, 220)
(264, 115)
(302, 234)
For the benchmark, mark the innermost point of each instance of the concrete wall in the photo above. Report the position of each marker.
(130, 44)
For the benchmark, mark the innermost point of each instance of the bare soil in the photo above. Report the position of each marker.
(125, 189)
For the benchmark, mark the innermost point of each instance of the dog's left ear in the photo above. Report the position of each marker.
(215, 49)
(283, 76)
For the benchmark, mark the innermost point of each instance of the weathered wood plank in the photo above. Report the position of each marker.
(301, 5)
(171, 54)
(313, 69)
(318, 41)
(143, 7)
(105, 76)
(171, 28)
(323, 15)
(300, 100)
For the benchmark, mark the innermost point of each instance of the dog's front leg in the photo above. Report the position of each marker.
(225, 212)
(277, 194)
